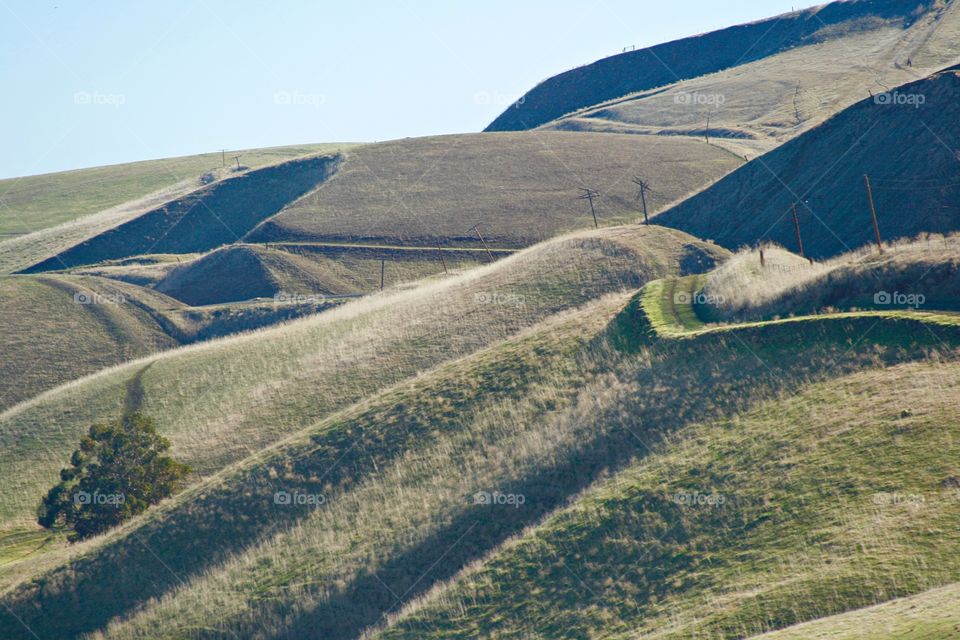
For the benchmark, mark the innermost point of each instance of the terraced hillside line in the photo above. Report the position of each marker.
(218, 214)
(665, 64)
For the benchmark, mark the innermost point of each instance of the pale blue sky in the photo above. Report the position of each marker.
(92, 82)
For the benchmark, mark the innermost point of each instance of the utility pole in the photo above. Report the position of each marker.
(383, 264)
(223, 157)
(590, 194)
(642, 187)
(442, 261)
(476, 228)
(707, 131)
(796, 224)
(873, 213)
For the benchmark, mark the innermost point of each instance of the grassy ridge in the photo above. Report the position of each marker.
(219, 213)
(31, 203)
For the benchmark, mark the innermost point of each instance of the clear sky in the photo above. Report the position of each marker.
(92, 82)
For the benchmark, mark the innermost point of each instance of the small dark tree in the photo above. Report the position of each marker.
(119, 470)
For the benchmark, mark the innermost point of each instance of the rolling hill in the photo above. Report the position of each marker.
(908, 150)
(906, 24)
(521, 188)
(89, 323)
(285, 378)
(219, 213)
(32, 203)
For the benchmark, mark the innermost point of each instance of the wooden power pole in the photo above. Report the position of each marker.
(590, 194)
(476, 228)
(642, 188)
(873, 213)
(796, 224)
(442, 261)
(383, 266)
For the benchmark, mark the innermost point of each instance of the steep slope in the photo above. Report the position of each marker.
(31, 203)
(754, 107)
(216, 214)
(668, 63)
(223, 400)
(521, 188)
(907, 144)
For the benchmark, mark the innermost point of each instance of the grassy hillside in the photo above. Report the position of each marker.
(543, 416)
(754, 107)
(835, 498)
(31, 203)
(56, 329)
(220, 213)
(522, 188)
(222, 400)
(909, 151)
(919, 275)
(668, 63)
(932, 615)
(246, 271)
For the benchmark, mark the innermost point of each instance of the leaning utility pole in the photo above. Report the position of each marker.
(873, 213)
(642, 187)
(590, 194)
(383, 266)
(796, 224)
(476, 228)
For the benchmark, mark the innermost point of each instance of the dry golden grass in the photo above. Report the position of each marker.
(789, 285)
(757, 106)
(521, 187)
(223, 400)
